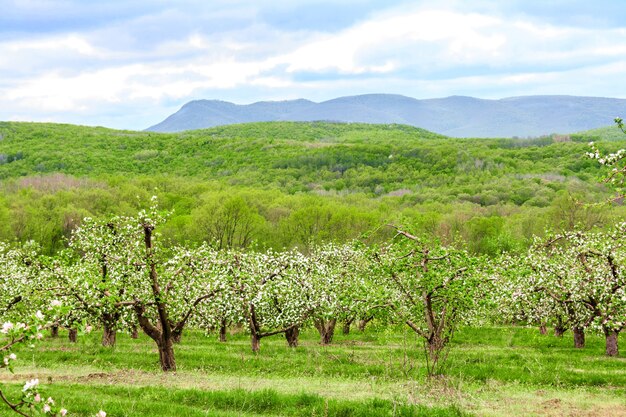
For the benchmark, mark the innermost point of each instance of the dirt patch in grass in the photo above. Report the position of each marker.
(516, 401)
(488, 399)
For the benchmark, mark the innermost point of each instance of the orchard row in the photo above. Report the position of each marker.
(116, 276)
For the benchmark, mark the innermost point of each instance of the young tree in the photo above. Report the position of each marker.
(433, 289)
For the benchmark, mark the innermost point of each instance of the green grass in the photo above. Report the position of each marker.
(160, 401)
(497, 371)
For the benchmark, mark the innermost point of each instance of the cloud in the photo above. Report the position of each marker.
(460, 35)
(154, 57)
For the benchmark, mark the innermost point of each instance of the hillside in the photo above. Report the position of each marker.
(452, 116)
(295, 183)
(297, 157)
(602, 133)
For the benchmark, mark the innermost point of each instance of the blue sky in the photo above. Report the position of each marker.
(129, 64)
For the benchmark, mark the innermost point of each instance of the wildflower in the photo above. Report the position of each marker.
(46, 408)
(37, 398)
(101, 414)
(63, 412)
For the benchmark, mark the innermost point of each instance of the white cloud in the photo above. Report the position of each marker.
(72, 43)
(418, 52)
(460, 34)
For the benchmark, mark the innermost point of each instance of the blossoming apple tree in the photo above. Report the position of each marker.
(100, 270)
(342, 287)
(534, 289)
(271, 295)
(584, 273)
(167, 288)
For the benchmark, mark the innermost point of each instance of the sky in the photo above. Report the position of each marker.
(129, 64)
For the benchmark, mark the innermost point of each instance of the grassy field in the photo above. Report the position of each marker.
(507, 371)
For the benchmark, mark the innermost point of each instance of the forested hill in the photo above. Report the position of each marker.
(305, 157)
(453, 116)
(294, 182)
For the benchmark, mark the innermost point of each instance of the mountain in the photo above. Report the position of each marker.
(453, 116)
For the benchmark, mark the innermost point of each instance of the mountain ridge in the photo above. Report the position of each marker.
(460, 116)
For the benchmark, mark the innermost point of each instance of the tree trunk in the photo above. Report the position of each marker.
(292, 336)
(109, 336)
(72, 335)
(346, 326)
(435, 346)
(543, 329)
(363, 323)
(255, 342)
(134, 332)
(326, 329)
(166, 355)
(223, 330)
(177, 337)
(162, 333)
(612, 348)
(579, 337)
(560, 327)
(54, 330)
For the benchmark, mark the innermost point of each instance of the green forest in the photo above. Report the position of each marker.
(289, 185)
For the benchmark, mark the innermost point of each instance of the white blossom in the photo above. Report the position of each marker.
(29, 385)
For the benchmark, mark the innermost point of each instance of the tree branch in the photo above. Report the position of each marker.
(179, 327)
(277, 331)
(416, 329)
(14, 407)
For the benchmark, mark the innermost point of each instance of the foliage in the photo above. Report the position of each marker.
(286, 185)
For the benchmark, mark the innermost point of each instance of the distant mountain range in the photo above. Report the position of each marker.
(453, 116)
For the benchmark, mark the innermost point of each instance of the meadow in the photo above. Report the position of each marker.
(491, 371)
